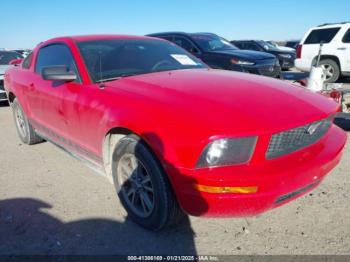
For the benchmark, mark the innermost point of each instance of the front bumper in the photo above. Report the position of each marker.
(286, 63)
(264, 69)
(303, 64)
(279, 180)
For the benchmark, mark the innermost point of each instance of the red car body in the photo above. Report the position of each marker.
(177, 113)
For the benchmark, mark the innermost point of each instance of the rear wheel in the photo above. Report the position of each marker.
(142, 186)
(24, 129)
(331, 70)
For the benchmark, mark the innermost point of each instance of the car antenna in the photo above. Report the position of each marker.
(102, 84)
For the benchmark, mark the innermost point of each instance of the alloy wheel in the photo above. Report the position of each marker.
(20, 122)
(136, 185)
(328, 71)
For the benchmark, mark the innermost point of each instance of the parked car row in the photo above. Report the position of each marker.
(219, 53)
(286, 58)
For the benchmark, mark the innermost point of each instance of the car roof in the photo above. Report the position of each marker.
(179, 33)
(247, 40)
(83, 38)
(334, 24)
(168, 33)
(9, 51)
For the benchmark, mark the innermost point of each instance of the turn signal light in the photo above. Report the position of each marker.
(226, 189)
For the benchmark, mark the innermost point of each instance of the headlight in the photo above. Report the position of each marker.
(241, 62)
(285, 56)
(228, 151)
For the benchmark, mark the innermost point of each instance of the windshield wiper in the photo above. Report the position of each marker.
(115, 78)
(108, 79)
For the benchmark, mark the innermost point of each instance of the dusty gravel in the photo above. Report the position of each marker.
(51, 204)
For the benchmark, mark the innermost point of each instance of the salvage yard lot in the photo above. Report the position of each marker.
(52, 204)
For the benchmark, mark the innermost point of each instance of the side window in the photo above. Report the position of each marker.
(185, 44)
(27, 61)
(169, 38)
(321, 35)
(253, 46)
(54, 55)
(346, 38)
(240, 45)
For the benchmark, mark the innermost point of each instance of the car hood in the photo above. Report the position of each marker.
(288, 49)
(222, 101)
(246, 54)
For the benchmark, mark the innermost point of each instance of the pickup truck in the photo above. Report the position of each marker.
(174, 136)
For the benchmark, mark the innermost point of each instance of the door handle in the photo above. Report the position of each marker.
(341, 48)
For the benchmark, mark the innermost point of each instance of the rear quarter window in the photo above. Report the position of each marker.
(27, 61)
(321, 35)
(346, 38)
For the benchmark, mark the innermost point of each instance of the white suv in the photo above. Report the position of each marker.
(335, 58)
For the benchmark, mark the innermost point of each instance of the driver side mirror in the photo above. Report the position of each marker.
(194, 51)
(58, 73)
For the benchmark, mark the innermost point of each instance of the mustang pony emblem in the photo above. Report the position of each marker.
(312, 128)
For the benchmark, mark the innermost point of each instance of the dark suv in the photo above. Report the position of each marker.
(286, 58)
(221, 54)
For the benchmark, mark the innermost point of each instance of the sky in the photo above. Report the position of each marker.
(25, 23)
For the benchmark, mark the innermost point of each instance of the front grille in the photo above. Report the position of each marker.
(3, 96)
(268, 70)
(294, 139)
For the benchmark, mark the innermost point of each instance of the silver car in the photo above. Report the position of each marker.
(5, 59)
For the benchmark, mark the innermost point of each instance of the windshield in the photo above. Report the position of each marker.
(268, 46)
(212, 42)
(6, 57)
(115, 58)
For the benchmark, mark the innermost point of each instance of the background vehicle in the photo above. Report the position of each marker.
(5, 58)
(170, 132)
(335, 50)
(23, 52)
(292, 44)
(286, 58)
(220, 54)
(280, 47)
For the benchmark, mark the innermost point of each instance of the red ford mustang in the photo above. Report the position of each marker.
(172, 134)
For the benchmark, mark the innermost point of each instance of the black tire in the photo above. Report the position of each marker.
(166, 211)
(24, 129)
(334, 67)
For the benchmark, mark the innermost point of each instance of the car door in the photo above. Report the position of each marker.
(50, 99)
(344, 48)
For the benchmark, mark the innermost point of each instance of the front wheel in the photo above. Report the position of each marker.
(142, 185)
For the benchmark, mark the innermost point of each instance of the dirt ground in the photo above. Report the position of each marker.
(52, 204)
